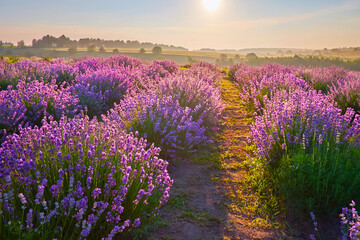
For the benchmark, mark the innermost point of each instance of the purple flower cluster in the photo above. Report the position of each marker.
(30, 102)
(208, 72)
(37, 69)
(322, 78)
(241, 73)
(346, 93)
(64, 87)
(159, 69)
(289, 113)
(67, 175)
(163, 121)
(299, 118)
(350, 223)
(196, 92)
(100, 89)
(81, 177)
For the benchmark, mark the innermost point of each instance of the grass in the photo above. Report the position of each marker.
(178, 201)
(202, 218)
(322, 181)
(143, 232)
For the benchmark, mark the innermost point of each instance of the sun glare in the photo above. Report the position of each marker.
(211, 5)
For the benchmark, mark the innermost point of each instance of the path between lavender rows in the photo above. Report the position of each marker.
(207, 199)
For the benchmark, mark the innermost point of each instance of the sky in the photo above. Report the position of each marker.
(236, 24)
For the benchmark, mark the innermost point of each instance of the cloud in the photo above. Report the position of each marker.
(352, 20)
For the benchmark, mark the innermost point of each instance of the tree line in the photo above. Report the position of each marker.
(49, 41)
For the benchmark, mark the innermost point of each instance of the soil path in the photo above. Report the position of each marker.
(206, 198)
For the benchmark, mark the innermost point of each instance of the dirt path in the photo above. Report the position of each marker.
(208, 200)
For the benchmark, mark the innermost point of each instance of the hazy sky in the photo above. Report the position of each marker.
(236, 24)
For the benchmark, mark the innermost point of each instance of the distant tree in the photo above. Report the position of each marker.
(34, 43)
(91, 48)
(157, 50)
(72, 50)
(102, 49)
(237, 58)
(223, 57)
(63, 41)
(251, 56)
(21, 44)
(8, 44)
(142, 51)
(1, 44)
(115, 50)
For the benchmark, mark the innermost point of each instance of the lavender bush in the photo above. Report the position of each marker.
(298, 117)
(322, 78)
(306, 141)
(161, 120)
(37, 69)
(197, 94)
(31, 102)
(205, 71)
(78, 179)
(159, 69)
(99, 90)
(346, 93)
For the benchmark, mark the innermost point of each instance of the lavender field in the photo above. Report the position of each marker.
(87, 143)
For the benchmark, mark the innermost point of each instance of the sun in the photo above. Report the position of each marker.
(211, 5)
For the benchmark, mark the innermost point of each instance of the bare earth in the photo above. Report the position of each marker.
(206, 199)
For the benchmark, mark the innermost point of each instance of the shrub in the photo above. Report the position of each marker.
(251, 56)
(322, 78)
(91, 48)
(41, 70)
(346, 93)
(12, 113)
(160, 69)
(102, 50)
(142, 51)
(72, 50)
(90, 98)
(78, 179)
(299, 117)
(31, 102)
(254, 91)
(111, 84)
(233, 69)
(162, 121)
(195, 93)
(205, 71)
(157, 50)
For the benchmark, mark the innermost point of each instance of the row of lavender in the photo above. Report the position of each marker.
(81, 141)
(307, 134)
